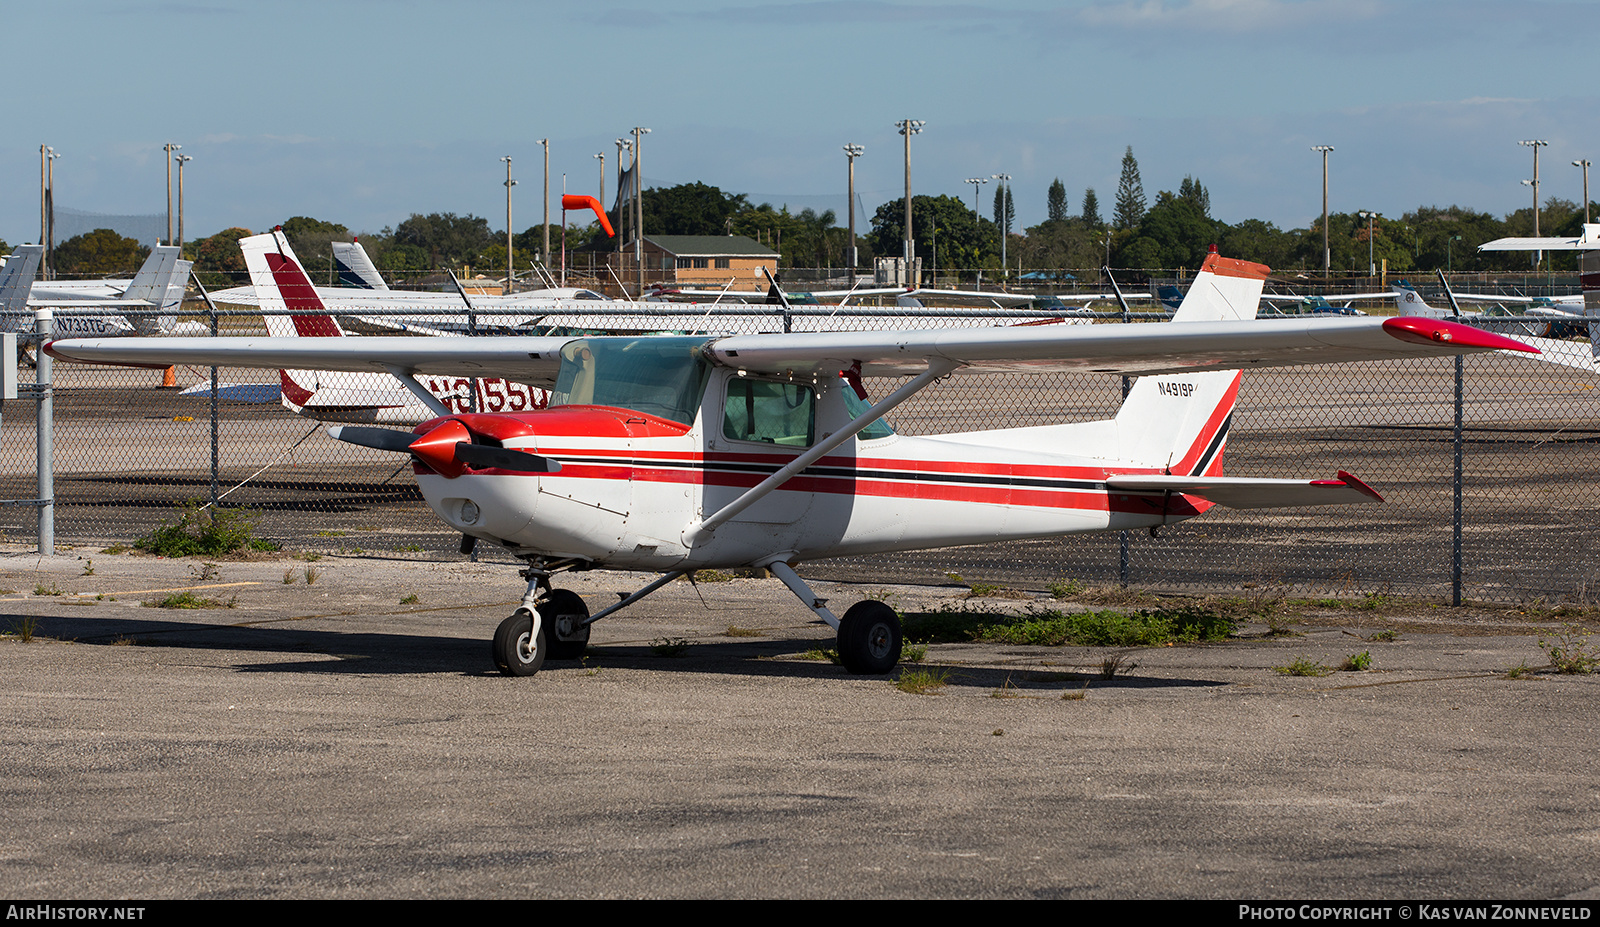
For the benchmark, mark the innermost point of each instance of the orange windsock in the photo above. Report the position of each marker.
(575, 201)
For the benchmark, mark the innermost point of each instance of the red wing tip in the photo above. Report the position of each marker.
(1440, 331)
(1356, 484)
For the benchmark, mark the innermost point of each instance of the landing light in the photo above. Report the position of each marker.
(469, 512)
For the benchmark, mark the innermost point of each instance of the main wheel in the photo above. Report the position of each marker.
(564, 617)
(869, 638)
(517, 650)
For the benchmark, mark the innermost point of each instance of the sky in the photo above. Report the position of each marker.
(363, 112)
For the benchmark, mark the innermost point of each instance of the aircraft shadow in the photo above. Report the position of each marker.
(376, 653)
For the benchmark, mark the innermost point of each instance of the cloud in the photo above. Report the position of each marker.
(1232, 16)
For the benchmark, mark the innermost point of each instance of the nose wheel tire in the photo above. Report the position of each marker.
(565, 615)
(517, 650)
(869, 638)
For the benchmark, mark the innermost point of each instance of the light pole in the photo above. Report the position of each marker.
(623, 144)
(1004, 221)
(639, 133)
(977, 188)
(1327, 255)
(49, 155)
(908, 128)
(1585, 165)
(182, 160)
(1449, 263)
(510, 267)
(602, 157)
(545, 254)
(851, 153)
(1535, 144)
(1372, 267)
(170, 148)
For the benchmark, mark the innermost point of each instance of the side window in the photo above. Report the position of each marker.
(769, 412)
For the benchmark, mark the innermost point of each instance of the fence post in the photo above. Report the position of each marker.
(211, 310)
(1455, 543)
(44, 324)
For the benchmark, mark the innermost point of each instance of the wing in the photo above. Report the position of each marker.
(1251, 493)
(1172, 347)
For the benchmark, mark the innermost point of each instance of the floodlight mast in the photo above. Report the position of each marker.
(908, 128)
(1327, 255)
(852, 152)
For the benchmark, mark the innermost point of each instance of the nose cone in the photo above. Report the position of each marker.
(437, 448)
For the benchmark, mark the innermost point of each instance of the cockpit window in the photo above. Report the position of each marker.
(771, 412)
(663, 376)
(855, 406)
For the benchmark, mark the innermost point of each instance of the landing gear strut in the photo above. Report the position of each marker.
(550, 624)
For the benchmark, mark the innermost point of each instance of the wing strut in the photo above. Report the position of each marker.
(699, 531)
(409, 382)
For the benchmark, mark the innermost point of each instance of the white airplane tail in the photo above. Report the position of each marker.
(16, 282)
(1407, 301)
(355, 267)
(1179, 423)
(161, 282)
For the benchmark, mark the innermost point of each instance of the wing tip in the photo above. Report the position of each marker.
(1440, 331)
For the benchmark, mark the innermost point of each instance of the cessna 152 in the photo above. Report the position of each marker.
(157, 287)
(677, 453)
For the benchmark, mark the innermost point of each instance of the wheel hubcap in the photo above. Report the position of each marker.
(525, 648)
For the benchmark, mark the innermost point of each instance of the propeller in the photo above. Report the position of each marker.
(444, 448)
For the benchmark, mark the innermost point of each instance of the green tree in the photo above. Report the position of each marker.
(217, 259)
(100, 253)
(310, 240)
(447, 239)
(1090, 214)
(1173, 233)
(690, 209)
(1192, 191)
(964, 239)
(1130, 194)
(1056, 205)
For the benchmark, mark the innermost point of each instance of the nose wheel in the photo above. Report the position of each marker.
(563, 634)
(518, 650)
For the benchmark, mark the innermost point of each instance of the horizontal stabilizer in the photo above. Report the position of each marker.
(237, 392)
(1248, 493)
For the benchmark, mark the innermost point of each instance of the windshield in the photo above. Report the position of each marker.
(662, 376)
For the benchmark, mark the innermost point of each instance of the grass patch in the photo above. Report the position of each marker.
(913, 653)
(1569, 650)
(922, 681)
(52, 589)
(409, 599)
(187, 599)
(25, 627)
(736, 631)
(1356, 663)
(1302, 666)
(1050, 628)
(206, 532)
(821, 655)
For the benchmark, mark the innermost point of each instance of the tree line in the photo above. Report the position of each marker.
(1175, 230)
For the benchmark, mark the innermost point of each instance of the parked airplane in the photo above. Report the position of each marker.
(674, 454)
(157, 287)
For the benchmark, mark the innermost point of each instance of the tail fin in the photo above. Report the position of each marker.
(1589, 281)
(160, 282)
(290, 304)
(290, 307)
(1407, 301)
(355, 267)
(16, 282)
(1178, 424)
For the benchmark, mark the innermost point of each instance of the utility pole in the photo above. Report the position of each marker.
(1585, 165)
(602, 157)
(182, 160)
(170, 148)
(1535, 144)
(908, 128)
(852, 152)
(1003, 220)
(510, 267)
(545, 255)
(639, 132)
(1327, 255)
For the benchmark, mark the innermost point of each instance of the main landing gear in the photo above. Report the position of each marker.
(554, 624)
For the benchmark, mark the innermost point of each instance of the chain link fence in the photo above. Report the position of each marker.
(130, 451)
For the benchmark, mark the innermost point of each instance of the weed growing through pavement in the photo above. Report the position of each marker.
(1569, 649)
(409, 599)
(669, 646)
(1302, 666)
(1356, 662)
(1113, 663)
(187, 599)
(206, 532)
(52, 589)
(922, 681)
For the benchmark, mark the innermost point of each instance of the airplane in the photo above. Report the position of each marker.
(677, 453)
(295, 309)
(1286, 304)
(1562, 322)
(157, 287)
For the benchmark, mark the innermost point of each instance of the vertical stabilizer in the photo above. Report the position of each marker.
(1178, 424)
(355, 267)
(161, 281)
(1589, 280)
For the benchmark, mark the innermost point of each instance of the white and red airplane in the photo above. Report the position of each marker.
(677, 453)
